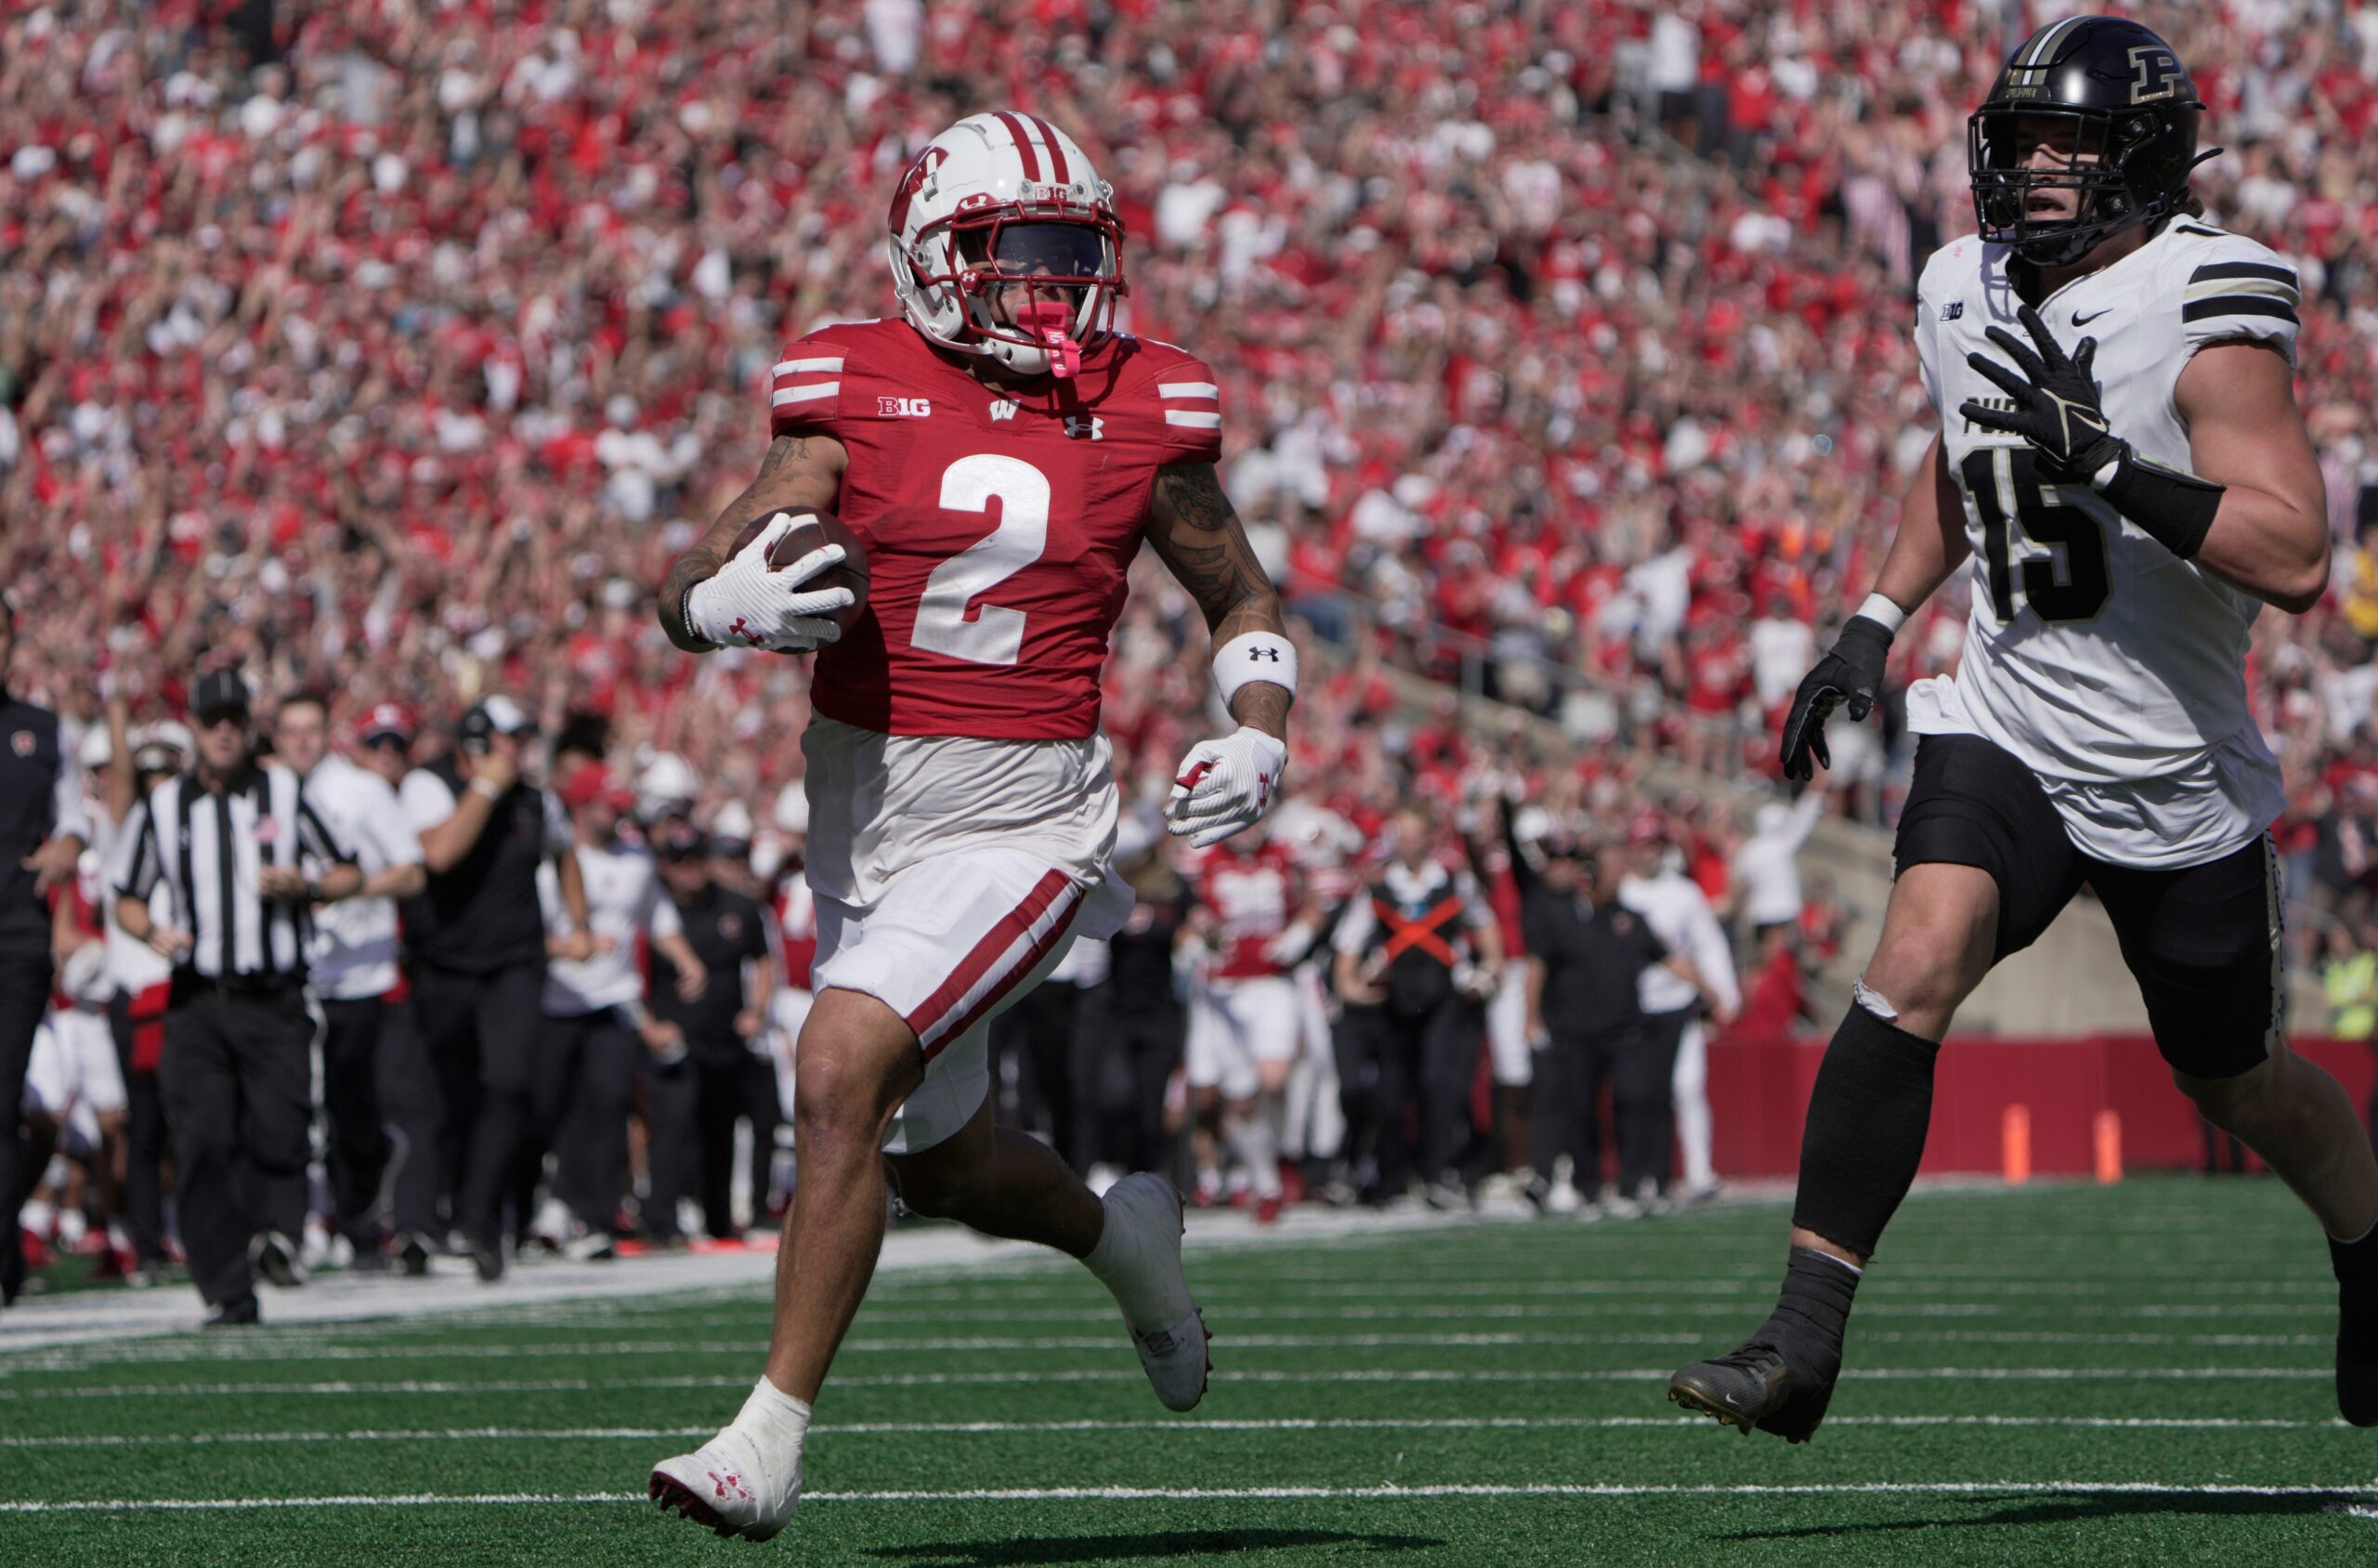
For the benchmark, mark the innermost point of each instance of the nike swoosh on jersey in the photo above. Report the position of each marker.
(2081, 320)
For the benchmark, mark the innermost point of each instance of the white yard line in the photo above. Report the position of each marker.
(1167, 1428)
(1102, 1375)
(1235, 1494)
(282, 1350)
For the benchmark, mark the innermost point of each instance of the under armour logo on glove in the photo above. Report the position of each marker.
(1225, 785)
(759, 605)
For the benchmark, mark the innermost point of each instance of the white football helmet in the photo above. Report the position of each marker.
(1004, 242)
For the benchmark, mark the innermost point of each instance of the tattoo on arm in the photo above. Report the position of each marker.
(1197, 533)
(800, 472)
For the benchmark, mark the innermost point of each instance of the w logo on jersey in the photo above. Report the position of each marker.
(1002, 411)
(1093, 427)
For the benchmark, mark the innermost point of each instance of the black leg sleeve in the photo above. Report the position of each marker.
(1864, 1137)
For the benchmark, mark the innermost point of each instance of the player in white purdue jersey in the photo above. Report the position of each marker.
(2123, 461)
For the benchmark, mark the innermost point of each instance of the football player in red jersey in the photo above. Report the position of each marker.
(1252, 923)
(1000, 452)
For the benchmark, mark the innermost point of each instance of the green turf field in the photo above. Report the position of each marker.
(2130, 1374)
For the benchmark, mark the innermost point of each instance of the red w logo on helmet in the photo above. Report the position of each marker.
(932, 158)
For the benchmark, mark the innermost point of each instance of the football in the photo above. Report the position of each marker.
(814, 533)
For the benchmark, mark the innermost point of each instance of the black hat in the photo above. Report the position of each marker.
(219, 692)
(680, 840)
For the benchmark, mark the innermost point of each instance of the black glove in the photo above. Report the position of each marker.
(2057, 409)
(1851, 670)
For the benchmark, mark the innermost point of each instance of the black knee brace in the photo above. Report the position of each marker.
(1864, 1135)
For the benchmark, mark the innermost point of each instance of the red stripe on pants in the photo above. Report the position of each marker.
(979, 959)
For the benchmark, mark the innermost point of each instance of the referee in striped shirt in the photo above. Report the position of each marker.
(243, 859)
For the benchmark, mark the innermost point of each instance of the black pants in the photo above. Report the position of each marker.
(579, 1101)
(1570, 1073)
(412, 1108)
(731, 1084)
(1645, 1093)
(671, 1141)
(1031, 1045)
(144, 1144)
(481, 1031)
(24, 997)
(1122, 1060)
(238, 1083)
(1405, 1079)
(359, 1139)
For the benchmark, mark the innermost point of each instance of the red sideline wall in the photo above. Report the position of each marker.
(1759, 1091)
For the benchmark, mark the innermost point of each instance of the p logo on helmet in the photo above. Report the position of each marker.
(2155, 73)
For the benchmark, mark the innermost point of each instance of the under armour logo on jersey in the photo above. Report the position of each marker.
(1002, 409)
(1953, 310)
(904, 407)
(1093, 427)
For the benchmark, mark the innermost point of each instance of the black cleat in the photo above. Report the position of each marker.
(238, 1312)
(1756, 1386)
(488, 1259)
(412, 1254)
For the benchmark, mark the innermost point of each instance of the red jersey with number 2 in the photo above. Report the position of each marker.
(999, 522)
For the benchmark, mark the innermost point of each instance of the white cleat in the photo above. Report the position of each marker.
(728, 1486)
(1174, 1356)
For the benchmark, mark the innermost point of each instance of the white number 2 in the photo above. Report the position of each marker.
(995, 636)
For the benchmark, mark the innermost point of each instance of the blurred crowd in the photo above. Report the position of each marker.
(393, 347)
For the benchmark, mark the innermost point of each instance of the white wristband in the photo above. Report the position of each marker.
(1255, 656)
(1878, 607)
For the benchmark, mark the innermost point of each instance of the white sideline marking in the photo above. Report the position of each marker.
(278, 1352)
(1105, 1375)
(281, 1351)
(1212, 1291)
(1199, 1494)
(1169, 1427)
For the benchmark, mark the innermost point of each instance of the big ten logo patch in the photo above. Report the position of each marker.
(904, 407)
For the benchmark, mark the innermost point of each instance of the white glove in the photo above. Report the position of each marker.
(1225, 785)
(749, 605)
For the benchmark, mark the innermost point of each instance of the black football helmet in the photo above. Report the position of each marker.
(2133, 112)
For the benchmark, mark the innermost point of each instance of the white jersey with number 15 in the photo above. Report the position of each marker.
(2113, 669)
